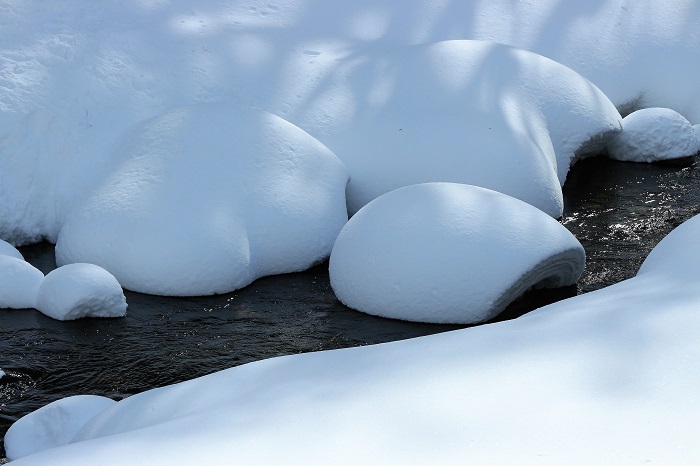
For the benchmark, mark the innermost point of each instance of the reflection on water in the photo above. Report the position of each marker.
(619, 211)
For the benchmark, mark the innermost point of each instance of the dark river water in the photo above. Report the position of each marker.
(619, 211)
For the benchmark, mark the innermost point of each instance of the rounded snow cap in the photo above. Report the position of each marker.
(19, 283)
(449, 253)
(654, 134)
(80, 290)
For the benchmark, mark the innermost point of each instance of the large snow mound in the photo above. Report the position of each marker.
(8, 250)
(208, 198)
(617, 360)
(52, 425)
(461, 111)
(449, 253)
(654, 134)
(80, 290)
(19, 283)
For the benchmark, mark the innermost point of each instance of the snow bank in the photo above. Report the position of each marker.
(449, 253)
(19, 283)
(696, 129)
(208, 198)
(8, 250)
(53, 425)
(71, 88)
(604, 376)
(654, 134)
(80, 290)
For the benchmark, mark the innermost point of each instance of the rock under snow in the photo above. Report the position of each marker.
(449, 253)
(19, 283)
(52, 425)
(462, 111)
(208, 198)
(654, 134)
(9, 250)
(80, 290)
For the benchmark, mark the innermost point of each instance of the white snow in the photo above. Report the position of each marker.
(8, 250)
(463, 111)
(696, 129)
(19, 283)
(2, 373)
(654, 134)
(53, 425)
(603, 377)
(208, 198)
(449, 253)
(80, 290)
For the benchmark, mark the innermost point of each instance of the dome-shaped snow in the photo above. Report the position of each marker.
(19, 283)
(207, 199)
(80, 290)
(449, 253)
(653, 134)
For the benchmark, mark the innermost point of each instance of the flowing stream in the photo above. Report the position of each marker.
(619, 212)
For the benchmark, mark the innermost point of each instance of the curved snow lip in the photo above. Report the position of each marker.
(449, 253)
(208, 198)
(53, 425)
(19, 283)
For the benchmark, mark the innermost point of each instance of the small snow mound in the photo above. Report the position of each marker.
(7, 249)
(2, 373)
(696, 130)
(449, 253)
(653, 134)
(19, 283)
(677, 255)
(80, 290)
(52, 425)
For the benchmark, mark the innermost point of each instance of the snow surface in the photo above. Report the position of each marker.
(80, 290)
(19, 283)
(2, 373)
(604, 377)
(654, 134)
(696, 129)
(208, 198)
(8, 250)
(449, 253)
(52, 425)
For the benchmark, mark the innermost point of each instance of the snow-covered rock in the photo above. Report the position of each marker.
(9, 250)
(696, 129)
(449, 253)
(80, 290)
(2, 373)
(208, 198)
(584, 370)
(461, 111)
(19, 283)
(52, 425)
(654, 134)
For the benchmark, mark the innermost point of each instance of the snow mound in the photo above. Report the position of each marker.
(653, 134)
(80, 290)
(449, 253)
(461, 111)
(19, 283)
(696, 129)
(52, 425)
(9, 250)
(208, 198)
